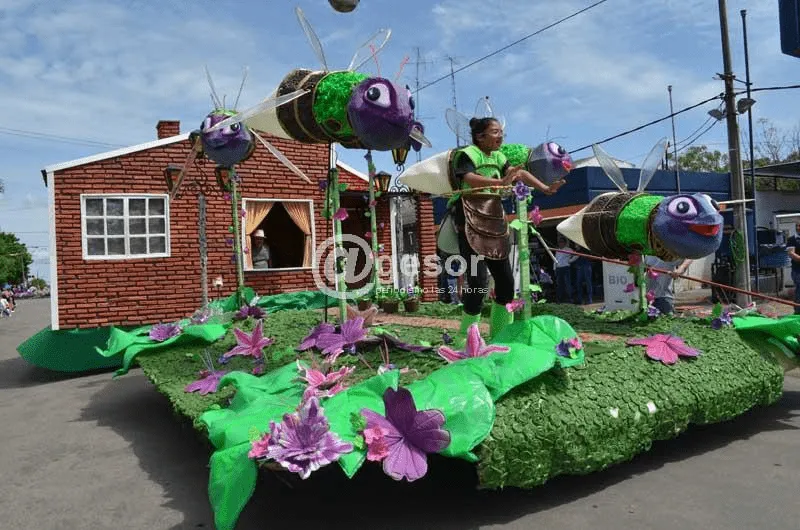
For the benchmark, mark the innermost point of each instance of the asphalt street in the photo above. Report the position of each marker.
(91, 453)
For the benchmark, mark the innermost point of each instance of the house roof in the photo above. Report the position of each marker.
(150, 145)
(783, 170)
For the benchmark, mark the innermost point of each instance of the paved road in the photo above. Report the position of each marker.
(89, 453)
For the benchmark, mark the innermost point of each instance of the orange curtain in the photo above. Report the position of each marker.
(257, 211)
(301, 215)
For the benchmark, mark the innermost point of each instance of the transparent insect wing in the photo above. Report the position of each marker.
(650, 164)
(197, 146)
(280, 156)
(610, 168)
(483, 109)
(369, 49)
(264, 106)
(458, 123)
(316, 45)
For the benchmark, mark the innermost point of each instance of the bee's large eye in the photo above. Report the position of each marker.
(711, 201)
(378, 94)
(682, 207)
(556, 150)
(206, 123)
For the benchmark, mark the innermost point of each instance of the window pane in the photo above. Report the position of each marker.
(156, 206)
(94, 227)
(115, 227)
(158, 245)
(94, 206)
(96, 246)
(138, 245)
(115, 207)
(137, 207)
(157, 226)
(116, 246)
(137, 226)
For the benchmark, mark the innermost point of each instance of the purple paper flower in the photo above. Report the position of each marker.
(404, 437)
(653, 311)
(208, 382)
(323, 185)
(521, 191)
(569, 347)
(381, 247)
(303, 442)
(333, 344)
(381, 225)
(249, 311)
(665, 348)
(226, 196)
(724, 319)
(324, 385)
(630, 288)
(340, 215)
(243, 212)
(475, 347)
(446, 338)
(249, 344)
(201, 316)
(367, 235)
(373, 203)
(162, 332)
(310, 340)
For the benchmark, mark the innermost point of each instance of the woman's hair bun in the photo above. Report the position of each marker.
(473, 122)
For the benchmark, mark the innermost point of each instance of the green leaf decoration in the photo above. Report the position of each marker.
(516, 224)
(342, 187)
(717, 311)
(535, 288)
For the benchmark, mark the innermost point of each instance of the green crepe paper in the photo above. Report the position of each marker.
(632, 225)
(258, 400)
(517, 154)
(542, 334)
(331, 99)
(778, 337)
(295, 301)
(131, 343)
(69, 350)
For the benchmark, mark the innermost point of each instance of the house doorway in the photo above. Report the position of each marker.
(357, 224)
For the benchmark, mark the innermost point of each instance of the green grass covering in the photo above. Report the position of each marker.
(332, 97)
(632, 225)
(561, 422)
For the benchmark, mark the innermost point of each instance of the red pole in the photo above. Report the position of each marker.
(661, 271)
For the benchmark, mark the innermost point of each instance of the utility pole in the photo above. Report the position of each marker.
(417, 114)
(735, 158)
(453, 90)
(743, 12)
(674, 141)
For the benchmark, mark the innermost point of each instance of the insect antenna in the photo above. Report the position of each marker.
(402, 66)
(214, 96)
(375, 58)
(241, 87)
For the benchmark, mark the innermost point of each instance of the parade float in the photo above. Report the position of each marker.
(557, 391)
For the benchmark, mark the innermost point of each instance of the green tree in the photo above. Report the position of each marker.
(15, 260)
(700, 158)
(38, 283)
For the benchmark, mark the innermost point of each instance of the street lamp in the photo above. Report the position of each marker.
(399, 156)
(382, 180)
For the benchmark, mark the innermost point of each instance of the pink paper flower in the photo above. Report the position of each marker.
(535, 216)
(476, 347)
(665, 348)
(324, 385)
(249, 344)
(207, 384)
(368, 235)
(652, 274)
(630, 288)
(651, 295)
(258, 448)
(634, 258)
(377, 446)
(340, 215)
(373, 203)
(514, 305)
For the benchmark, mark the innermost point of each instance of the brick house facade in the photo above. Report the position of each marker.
(92, 289)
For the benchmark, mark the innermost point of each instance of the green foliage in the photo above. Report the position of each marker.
(700, 158)
(15, 260)
(38, 283)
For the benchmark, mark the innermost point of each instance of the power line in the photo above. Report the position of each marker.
(507, 46)
(54, 137)
(648, 124)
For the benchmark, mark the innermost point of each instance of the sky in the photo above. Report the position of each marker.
(82, 77)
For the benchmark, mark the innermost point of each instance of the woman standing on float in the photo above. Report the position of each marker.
(483, 236)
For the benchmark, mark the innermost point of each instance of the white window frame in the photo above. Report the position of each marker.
(246, 243)
(126, 234)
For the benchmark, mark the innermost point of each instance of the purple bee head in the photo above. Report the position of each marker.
(549, 162)
(689, 226)
(382, 114)
(227, 146)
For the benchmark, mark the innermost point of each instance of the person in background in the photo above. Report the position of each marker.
(563, 272)
(663, 284)
(793, 246)
(262, 258)
(583, 276)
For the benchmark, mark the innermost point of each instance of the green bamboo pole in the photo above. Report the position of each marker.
(341, 285)
(373, 223)
(237, 238)
(524, 257)
(641, 280)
